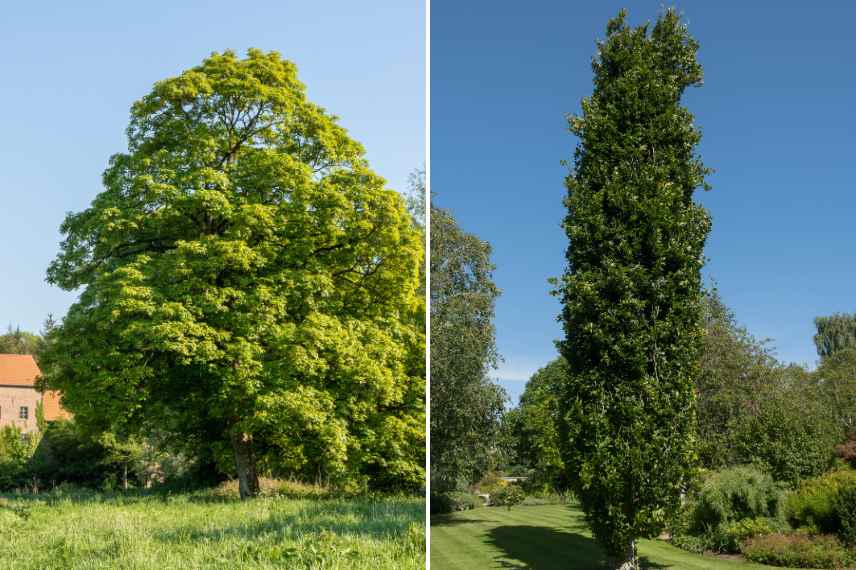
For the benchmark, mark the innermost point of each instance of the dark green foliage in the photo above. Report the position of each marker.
(632, 289)
(466, 406)
(797, 551)
(508, 497)
(66, 454)
(453, 501)
(834, 333)
(732, 495)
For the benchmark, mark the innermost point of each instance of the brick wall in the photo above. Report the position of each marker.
(12, 398)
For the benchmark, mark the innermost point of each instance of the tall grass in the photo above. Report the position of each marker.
(72, 529)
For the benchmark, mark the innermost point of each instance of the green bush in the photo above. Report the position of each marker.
(732, 495)
(690, 543)
(798, 550)
(728, 537)
(734, 534)
(444, 503)
(16, 449)
(815, 504)
(845, 508)
(508, 497)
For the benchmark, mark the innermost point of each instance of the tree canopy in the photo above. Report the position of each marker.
(631, 291)
(834, 333)
(249, 283)
(466, 406)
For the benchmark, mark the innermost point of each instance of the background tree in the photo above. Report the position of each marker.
(538, 432)
(247, 283)
(836, 379)
(466, 406)
(632, 289)
(834, 333)
(16, 341)
(735, 370)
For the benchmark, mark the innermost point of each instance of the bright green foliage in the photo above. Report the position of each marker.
(815, 504)
(72, 529)
(466, 406)
(16, 449)
(508, 496)
(247, 283)
(632, 289)
(834, 333)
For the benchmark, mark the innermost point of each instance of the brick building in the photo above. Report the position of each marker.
(18, 395)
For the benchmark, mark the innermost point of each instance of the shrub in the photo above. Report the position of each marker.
(734, 534)
(16, 449)
(508, 497)
(732, 495)
(845, 509)
(444, 503)
(815, 504)
(491, 483)
(797, 551)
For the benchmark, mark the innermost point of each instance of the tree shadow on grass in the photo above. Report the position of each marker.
(449, 520)
(543, 548)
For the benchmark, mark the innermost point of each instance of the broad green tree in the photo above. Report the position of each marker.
(836, 378)
(834, 333)
(249, 283)
(632, 289)
(538, 424)
(466, 406)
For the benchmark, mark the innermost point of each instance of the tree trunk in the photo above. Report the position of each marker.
(245, 465)
(628, 560)
(125, 477)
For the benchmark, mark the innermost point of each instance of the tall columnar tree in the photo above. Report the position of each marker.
(466, 406)
(834, 333)
(247, 282)
(632, 288)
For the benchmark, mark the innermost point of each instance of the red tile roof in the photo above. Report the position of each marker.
(18, 370)
(22, 370)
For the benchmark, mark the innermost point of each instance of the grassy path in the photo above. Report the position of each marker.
(543, 538)
(199, 531)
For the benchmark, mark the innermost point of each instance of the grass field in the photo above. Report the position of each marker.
(543, 538)
(209, 531)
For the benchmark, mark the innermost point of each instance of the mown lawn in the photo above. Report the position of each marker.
(205, 531)
(543, 538)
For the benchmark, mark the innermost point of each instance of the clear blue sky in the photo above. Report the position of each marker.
(70, 72)
(779, 124)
